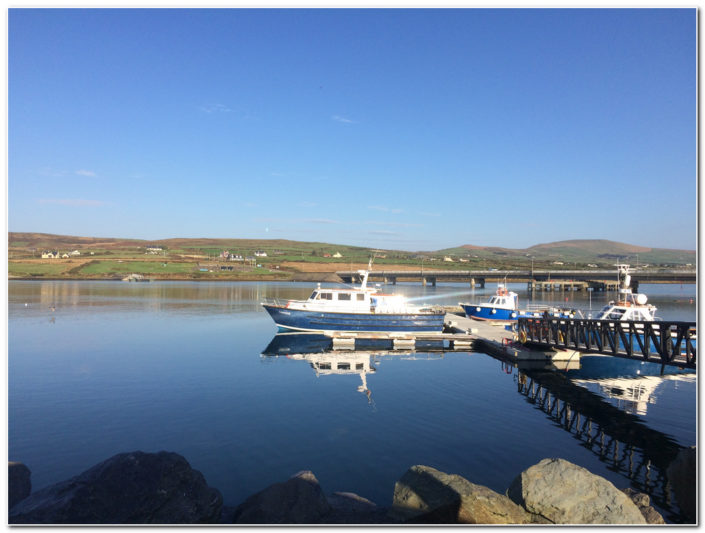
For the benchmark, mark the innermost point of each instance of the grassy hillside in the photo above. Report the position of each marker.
(101, 258)
(583, 251)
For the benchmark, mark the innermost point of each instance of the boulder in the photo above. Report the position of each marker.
(299, 500)
(426, 495)
(349, 508)
(564, 493)
(682, 474)
(128, 488)
(643, 502)
(19, 484)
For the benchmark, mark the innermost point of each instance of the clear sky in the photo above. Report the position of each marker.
(410, 129)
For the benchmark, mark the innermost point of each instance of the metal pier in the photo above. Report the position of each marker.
(667, 343)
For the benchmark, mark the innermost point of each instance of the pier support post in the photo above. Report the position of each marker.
(472, 282)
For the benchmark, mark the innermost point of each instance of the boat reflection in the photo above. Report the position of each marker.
(318, 351)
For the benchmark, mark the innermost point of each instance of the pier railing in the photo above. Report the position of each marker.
(668, 343)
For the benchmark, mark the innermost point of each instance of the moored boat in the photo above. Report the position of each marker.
(629, 306)
(504, 306)
(354, 309)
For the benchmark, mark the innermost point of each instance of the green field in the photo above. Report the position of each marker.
(139, 267)
(35, 269)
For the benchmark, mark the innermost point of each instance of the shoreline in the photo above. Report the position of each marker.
(311, 277)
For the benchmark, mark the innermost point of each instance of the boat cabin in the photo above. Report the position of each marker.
(614, 311)
(337, 295)
(505, 302)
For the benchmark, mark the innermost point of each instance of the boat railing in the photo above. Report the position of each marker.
(279, 302)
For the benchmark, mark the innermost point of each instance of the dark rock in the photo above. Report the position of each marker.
(19, 484)
(349, 508)
(643, 502)
(299, 500)
(128, 488)
(426, 495)
(682, 473)
(564, 493)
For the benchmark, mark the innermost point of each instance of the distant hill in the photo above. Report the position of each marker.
(581, 251)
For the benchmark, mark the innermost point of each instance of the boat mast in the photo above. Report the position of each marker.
(365, 274)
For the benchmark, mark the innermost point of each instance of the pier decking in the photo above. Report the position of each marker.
(461, 334)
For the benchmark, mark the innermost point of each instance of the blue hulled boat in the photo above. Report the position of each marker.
(504, 306)
(354, 309)
(501, 306)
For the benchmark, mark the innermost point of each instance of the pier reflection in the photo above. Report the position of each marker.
(615, 435)
(317, 350)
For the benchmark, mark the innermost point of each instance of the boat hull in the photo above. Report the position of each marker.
(486, 312)
(301, 320)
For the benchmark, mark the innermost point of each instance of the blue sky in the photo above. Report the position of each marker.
(410, 129)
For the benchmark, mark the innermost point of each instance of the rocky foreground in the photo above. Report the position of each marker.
(162, 488)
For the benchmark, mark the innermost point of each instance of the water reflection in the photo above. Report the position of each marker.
(317, 350)
(615, 435)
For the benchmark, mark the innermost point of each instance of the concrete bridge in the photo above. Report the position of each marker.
(480, 277)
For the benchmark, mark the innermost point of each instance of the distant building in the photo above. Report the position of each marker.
(65, 256)
(448, 259)
(260, 253)
(152, 249)
(75, 252)
(326, 255)
(50, 254)
(236, 257)
(592, 265)
(337, 255)
(224, 254)
(557, 263)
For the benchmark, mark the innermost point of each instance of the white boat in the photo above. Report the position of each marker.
(629, 306)
(358, 309)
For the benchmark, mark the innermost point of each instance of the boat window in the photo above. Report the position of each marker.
(360, 297)
(343, 296)
(603, 312)
(326, 296)
(324, 366)
(343, 366)
(359, 366)
(616, 314)
(313, 296)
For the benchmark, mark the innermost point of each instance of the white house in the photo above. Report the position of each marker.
(448, 259)
(260, 253)
(337, 255)
(50, 254)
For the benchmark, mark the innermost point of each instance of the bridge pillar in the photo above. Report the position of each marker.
(433, 281)
(472, 282)
(423, 281)
(481, 282)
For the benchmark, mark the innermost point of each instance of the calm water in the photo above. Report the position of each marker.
(98, 368)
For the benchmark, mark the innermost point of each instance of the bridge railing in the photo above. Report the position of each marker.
(672, 343)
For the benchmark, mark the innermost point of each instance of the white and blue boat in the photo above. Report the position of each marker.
(504, 307)
(354, 309)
